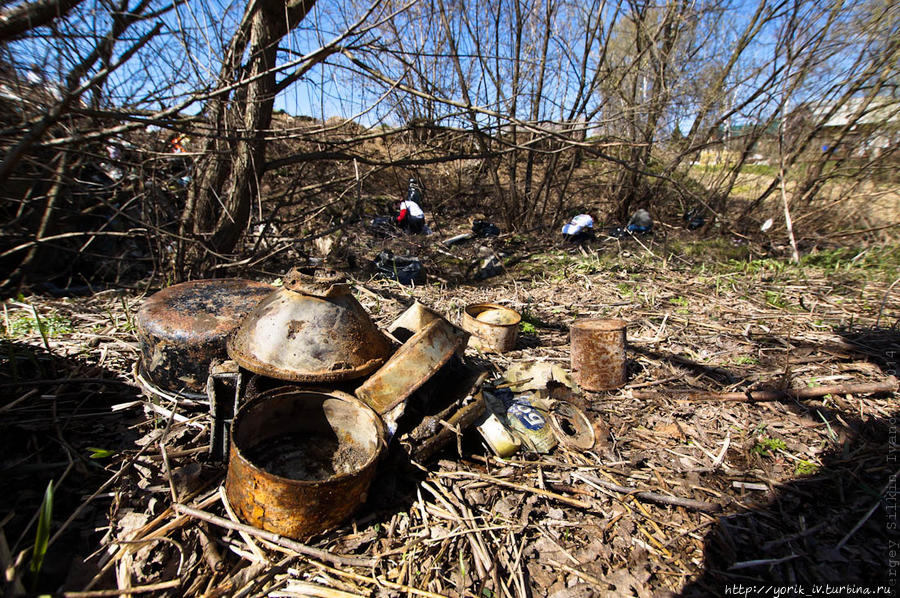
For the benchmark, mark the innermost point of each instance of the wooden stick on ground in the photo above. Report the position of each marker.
(889, 385)
(276, 539)
(557, 497)
(378, 581)
(688, 503)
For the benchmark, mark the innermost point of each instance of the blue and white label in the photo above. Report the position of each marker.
(527, 414)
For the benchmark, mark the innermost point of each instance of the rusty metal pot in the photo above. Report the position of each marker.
(494, 328)
(183, 328)
(311, 330)
(301, 461)
(417, 360)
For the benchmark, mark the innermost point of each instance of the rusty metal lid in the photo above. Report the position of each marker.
(312, 330)
(182, 328)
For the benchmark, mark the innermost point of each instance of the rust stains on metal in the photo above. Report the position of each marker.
(318, 283)
(181, 329)
(494, 328)
(316, 333)
(598, 353)
(417, 360)
(571, 426)
(412, 321)
(302, 461)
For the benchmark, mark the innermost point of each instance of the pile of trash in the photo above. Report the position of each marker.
(305, 392)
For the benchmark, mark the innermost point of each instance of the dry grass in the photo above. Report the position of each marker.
(802, 485)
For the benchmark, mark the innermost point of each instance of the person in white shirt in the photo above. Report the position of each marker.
(411, 217)
(579, 229)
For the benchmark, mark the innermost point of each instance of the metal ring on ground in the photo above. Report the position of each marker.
(571, 426)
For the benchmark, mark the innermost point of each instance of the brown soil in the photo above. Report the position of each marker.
(305, 457)
(802, 488)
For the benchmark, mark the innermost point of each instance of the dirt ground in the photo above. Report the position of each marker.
(687, 492)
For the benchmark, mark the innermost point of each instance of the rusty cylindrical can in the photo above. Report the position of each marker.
(302, 460)
(494, 328)
(598, 353)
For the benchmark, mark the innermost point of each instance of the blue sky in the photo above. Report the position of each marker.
(186, 57)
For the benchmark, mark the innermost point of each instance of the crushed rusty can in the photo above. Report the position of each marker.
(598, 353)
(414, 363)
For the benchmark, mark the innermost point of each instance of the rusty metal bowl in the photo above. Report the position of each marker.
(301, 461)
(417, 360)
(183, 328)
(312, 330)
(494, 328)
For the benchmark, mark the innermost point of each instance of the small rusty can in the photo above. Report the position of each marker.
(494, 328)
(302, 461)
(183, 328)
(598, 353)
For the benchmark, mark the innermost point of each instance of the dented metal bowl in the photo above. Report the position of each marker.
(417, 360)
(301, 461)
(494, 328)
(311, 330)
(183, 328)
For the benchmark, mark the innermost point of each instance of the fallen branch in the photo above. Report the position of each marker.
(756, 396)
(687, 503)
(276, 539)
(545, 493)
(153, 587)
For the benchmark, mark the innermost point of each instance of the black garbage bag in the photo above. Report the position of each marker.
(383, 226)
(490, 266)
(694, 218)
(483, 228)
(405, 270)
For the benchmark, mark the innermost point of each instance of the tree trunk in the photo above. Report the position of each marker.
(227, 175)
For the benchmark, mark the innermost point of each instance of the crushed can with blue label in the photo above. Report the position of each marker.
(524, 415)
(530, 424)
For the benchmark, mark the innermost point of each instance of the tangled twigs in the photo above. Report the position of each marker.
(889, 385)
(276, 539)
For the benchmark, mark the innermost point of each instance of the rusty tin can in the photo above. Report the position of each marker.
(417, 360)
(411, 321)
(598, 353)
(301, 461)
(494, 328)
(183, 328)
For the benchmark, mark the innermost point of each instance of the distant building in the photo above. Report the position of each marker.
(859, 128)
